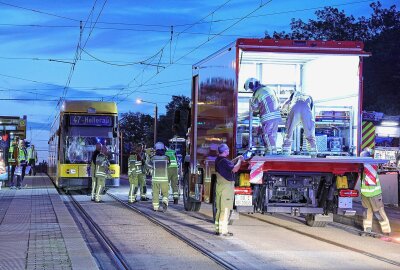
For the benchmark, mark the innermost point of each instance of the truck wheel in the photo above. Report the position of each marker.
(196, 206)
(310, 221)
(187, 203)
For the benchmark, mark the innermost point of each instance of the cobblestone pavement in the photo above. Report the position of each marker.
(37, 231)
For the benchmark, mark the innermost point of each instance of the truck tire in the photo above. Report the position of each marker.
(188, 204)
(310, 221)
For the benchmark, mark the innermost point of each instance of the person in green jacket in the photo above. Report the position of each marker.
(102, 171)
(136, 174)
(173, 176)
(13, 160)
(32, 159)
(371, 197)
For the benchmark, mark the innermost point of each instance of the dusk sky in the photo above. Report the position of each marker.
(128, 51)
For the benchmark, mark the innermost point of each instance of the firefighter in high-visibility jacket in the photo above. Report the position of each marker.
(102, 172)
(13, 160)
(371, 197)
(159, 177)
(96, 152)
(265, 103)
(300, 112)
(32, 159)
(22, 162)
(135, 174)
(173, 176)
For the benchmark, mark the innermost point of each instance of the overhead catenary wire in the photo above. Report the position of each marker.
(197, 47)
(184, 24)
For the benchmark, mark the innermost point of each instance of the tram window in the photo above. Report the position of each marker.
(79, 150)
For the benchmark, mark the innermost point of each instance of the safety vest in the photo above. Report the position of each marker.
(134, 165)
(32, 154)
(22, 154)
(12, 154)
(102, 165)
(370, 184)
(173, 163)
(160, 168)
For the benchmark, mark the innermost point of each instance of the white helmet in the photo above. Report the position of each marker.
(159, 146)
(252, 84)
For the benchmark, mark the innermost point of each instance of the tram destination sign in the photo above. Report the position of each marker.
(91, 120)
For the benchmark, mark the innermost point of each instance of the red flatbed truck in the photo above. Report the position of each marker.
(329, 71)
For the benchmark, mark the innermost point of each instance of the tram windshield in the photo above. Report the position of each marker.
(80, 143)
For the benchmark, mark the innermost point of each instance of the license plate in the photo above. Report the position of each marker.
(243, 200)
(345, 202)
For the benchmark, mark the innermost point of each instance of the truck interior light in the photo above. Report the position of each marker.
(389, 123)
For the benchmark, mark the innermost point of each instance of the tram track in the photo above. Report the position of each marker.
(322, 239)
(206, 252)
(102, 238)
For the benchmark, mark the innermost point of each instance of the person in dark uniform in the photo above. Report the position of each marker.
(225, 189)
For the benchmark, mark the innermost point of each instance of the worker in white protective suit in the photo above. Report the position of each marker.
(265, 103)
(300, 112)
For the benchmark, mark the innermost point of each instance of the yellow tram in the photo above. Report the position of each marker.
(73, 137)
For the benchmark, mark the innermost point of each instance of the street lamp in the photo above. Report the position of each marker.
(138, 101)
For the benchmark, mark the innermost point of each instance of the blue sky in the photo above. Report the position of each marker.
(38, 40)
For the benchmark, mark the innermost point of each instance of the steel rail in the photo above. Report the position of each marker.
(101, 236)
(177, 234)
(368, 254)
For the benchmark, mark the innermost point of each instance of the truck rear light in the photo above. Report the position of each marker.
(243, 191)
(348, 193)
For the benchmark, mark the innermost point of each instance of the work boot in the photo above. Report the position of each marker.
(133, 201)
(144, 199)
(164, 207)
(227, 234)
(175, 200)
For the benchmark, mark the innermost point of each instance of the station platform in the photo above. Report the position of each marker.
(37, 231)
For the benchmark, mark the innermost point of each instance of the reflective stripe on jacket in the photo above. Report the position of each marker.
(159, 168)
(134, 165)
(102, 165)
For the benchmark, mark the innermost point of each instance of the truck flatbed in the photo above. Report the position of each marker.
(308, 159)
(336, 165)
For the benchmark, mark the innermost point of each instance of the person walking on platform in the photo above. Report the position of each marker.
(371, 197)
(300, 111)
(225, 189)
(22, 162)
(13, 160)
(265, 103)
(136, 174)
(96, 152)
(173, 176)
(102, 171)
(32, 159)
(159, 177)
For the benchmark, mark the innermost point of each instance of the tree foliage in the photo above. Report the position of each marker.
(380, 33)
(167, 126)
(139, 128)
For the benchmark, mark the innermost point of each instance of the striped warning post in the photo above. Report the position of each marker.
(370, 171)
(256, 173)
(368, 135)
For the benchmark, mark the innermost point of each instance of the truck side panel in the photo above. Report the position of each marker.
(213, 113)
